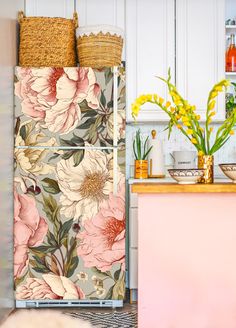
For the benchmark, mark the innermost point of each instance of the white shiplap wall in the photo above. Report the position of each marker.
(113, 12)
(90, 11)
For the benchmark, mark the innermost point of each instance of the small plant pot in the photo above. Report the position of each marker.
(140, 169)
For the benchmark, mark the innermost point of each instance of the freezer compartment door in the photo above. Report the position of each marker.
(69, 223)
(75, 106)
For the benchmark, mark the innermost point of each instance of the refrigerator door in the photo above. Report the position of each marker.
(69, 228)
(69, 233)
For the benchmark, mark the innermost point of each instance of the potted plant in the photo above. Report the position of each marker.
(140, 152)
(230, 101)
(183, 116)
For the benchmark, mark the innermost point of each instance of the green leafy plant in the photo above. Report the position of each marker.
(140, 148)
(230, 101)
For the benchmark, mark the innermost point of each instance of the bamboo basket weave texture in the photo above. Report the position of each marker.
(98, 50)
(47, 41)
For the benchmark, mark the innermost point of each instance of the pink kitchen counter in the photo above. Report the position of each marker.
(187, 255)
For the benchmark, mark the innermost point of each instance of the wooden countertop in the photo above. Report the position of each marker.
(165, 188)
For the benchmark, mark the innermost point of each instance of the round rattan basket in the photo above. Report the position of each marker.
(47, 41)
(99, 46)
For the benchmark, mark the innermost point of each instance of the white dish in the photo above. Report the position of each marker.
(186, 176)
(229, 170)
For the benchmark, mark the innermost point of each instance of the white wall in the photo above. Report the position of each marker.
(8, 15)
(90, 11)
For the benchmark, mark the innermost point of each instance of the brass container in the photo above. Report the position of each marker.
(140, 169)
(206, 162)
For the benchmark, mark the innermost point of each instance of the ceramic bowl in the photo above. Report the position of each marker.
(229, 170)
(186, 176)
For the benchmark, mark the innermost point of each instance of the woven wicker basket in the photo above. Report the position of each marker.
(47, 42)
(99, 46)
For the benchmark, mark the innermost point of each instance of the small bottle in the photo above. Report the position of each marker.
(231, 55)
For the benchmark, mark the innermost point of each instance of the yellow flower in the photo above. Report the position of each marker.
(194, 141)
(225, 83)
(178, 117)
(209, 120)
(186, 124)
(198, 117)
(142, 99)
(214, 94)
(135, 109)
(161, 100)
(185, 119)
(211, 129)
(193, 108)
(182, 111)
(231, 132)
(212, 104)
(149, 97)
(168, 104)
(188, 107)
(172, 109)
(200, 153)
(212, 113)
(201, 129)
(179, 126)
(177, 101)
(218, 88)
(189, 131)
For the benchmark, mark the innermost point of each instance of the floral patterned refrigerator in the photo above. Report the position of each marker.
(69, 187)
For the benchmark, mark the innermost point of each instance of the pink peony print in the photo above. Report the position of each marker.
(102, 242)
(50, 287)
(52, 96)
(29, 230)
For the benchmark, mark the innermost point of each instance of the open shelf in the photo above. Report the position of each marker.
(229, 27)
(230, 73)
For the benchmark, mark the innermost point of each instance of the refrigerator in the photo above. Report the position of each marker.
(69, 187)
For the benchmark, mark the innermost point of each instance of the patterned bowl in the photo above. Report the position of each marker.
(186, 176)
(229, 169)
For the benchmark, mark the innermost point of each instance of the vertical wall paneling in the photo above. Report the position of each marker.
(150, 37)
(131, 54)
(52, 8)
(81, 6)
(103, 13)
(109, 12)
(200, 44)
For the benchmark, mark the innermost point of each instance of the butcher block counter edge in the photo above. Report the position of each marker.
(164, 188)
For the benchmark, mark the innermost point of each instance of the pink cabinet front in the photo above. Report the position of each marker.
(187, 261)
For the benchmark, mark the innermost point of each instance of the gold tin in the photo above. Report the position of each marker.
(140, 169)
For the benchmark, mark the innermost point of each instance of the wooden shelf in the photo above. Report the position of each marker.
(164, 188)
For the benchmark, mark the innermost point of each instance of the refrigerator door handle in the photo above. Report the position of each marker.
(115, 135)
(115, 105)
